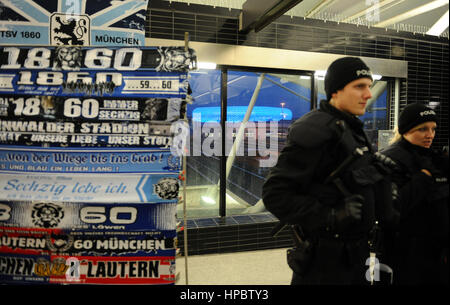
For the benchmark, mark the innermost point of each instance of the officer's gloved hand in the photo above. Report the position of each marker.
(349, 213)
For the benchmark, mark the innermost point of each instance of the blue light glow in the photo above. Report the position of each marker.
(237, 114)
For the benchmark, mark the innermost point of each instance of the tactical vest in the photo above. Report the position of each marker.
(361, 176)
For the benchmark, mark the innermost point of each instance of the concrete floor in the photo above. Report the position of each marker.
(263, 267)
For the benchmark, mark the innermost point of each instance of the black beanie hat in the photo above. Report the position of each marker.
(413, 115)
(343, 71)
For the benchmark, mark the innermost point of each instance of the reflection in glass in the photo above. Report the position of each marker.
(202, 172)
(280, 100)
(260, 108)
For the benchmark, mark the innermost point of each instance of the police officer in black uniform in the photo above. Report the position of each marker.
(335, 216)
(421, 185)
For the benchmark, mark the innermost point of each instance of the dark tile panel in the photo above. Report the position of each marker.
(259, 218)
(202, 19)
(233, 233)
(206, 222)
(191, 224)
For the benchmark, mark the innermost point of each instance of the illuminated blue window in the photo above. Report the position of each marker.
(237, 114)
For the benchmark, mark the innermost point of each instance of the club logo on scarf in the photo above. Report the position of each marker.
(68, 58)
(174, 162)
(69, 29)
(175, 58)
(58, 242)
(167, 188)
(47, 215)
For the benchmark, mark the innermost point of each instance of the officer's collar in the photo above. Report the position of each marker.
(352, 120)
(409, 146)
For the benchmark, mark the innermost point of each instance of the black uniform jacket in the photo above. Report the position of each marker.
(421, 245)
(295, 191)
(421, 199)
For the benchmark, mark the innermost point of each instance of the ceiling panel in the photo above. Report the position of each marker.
(366, 12)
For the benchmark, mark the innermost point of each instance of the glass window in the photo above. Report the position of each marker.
(375, 118)
(202, 171)
(260, 108)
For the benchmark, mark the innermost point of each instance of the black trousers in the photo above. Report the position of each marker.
(336, 262)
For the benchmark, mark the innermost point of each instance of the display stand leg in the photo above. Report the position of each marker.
(186, 47)
(185, 224)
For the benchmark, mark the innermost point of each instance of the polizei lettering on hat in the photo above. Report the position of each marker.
(363, 72)
(427, 112)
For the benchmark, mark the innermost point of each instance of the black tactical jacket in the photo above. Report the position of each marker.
(420, 251)
(316, 145)
(422, 199)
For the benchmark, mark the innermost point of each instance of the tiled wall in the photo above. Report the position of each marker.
(428, 77)
(233, 234)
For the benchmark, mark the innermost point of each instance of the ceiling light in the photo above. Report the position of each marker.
(412, 13)
(320, 73)
(206, 65)
(440, 26)
(376, 76)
